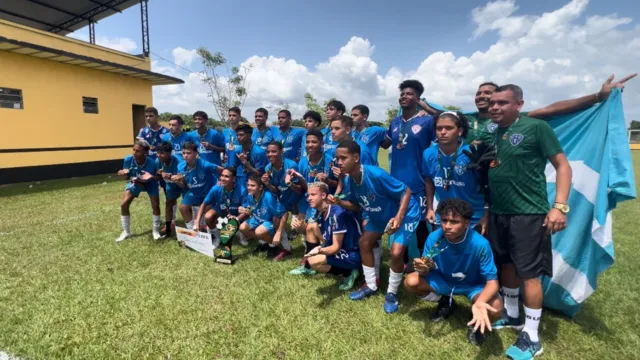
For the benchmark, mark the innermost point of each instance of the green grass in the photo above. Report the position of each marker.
(68, 291)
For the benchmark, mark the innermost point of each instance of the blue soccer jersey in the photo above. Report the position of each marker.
(293, 140)
(309, 172)
(462, 183)
(137, 170)
(257, 158)
(213, 137)
(409, 140)
(329, 144)
(287, 197)
(265, 208)
(152, 137)
(172, 169)
(467, 264)
(177, 142)
(379, 196)
(366, 158)
(199, 179)
(263, 138)
(226, 202)
(372, 137)
(340, 221)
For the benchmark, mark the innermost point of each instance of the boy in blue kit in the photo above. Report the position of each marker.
(153, 133)
(248, 158)
(263, 134)
(334, 239)
(278, 180)
(373, 137)
(210, 141)
(140, 170)
(388, 206)
(291, 138)
(197, 177)
(264, 213)
(223, 200)
(167, 166)
(341, 131)
(229, 133)
(312, 120)
(458, 261)
(444, 167)
(177, 137)
(335, 109)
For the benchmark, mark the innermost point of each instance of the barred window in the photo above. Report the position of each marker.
(90, 105)
(11, 99)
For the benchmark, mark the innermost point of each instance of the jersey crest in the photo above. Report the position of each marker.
(416, 129)
(491, 127)
(516, 139)
(460, 169)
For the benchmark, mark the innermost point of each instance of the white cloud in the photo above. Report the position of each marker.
(123, 44)
(553, 56)
(183, 57)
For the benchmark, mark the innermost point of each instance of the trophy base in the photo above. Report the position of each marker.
(226, 260)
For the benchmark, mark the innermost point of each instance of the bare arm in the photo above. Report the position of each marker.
(489, 292)
(386, 143)
(335, 246)
(404, 204)
(563, 177)
(429, 190)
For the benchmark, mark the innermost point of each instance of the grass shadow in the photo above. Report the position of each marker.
(36, 187)
(329, 293)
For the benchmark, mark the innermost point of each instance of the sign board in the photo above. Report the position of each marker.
(198, 241)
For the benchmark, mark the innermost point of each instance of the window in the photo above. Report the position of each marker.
(11, 99)
(90, 105)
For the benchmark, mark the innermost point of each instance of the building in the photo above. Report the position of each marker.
(68, 107)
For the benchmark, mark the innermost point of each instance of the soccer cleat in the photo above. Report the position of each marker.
(390, 303)
(165, 232)
(362, 293)
(282, 254)
(260, 248)
(156, 234)
(444, 310)
(272, 251)
(301, 270)
(349, 281)
(475, 337)
(507, 321)
(524, 348)
(123, 236)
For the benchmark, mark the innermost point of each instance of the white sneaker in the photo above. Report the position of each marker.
(244, 242)
(156, 234)
(123, 236)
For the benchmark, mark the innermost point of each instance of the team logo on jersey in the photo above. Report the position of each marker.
(458, 275)
(516, 139)
(176, 147)
(201, 176)
(364, 139)
(261, 212)
(289, 139)
(491, 127)
(371, 196)
(416, 129)
(460, 169)
(259, 141)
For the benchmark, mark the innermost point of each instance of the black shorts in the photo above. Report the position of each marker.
(521, 240)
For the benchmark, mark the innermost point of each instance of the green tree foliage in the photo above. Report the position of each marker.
(452, 108)
(392, 112)
(635, 125)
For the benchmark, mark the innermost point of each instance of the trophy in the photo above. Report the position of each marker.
(431, 254)
(228, 227)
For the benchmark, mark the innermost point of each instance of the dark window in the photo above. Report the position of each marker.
(11, 99)
(90, 105)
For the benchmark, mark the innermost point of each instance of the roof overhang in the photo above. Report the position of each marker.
(39, 51)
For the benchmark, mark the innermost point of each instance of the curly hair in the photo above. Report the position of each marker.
(455, 207)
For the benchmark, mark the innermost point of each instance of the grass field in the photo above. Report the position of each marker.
(68, 291)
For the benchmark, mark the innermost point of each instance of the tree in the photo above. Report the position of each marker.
(311, 104)
(635, 125)
(452, 108)
(227, 86)
(392, 112)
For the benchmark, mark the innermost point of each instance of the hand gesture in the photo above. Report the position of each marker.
(244, 210)
(331, 199)
(480, 311)
(145, 176)
(482, 224)
(321, 177)
(205, 144)
(166, 176)
(123, 172)
(431, 216)
(315, 251)
(609, 85)
(336, 171)
(242, 157)
(555, 221)
(393, 225)
(265, 178)
(297, 223)
(420, 265)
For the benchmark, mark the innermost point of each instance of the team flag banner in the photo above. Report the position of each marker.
(198, 241)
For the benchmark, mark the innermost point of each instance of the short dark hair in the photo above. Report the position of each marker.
(413, 84)
(151, 110)
(264, 111)
(314, 115)
(515, 89)
(276, 143)
(164, 147)
(190, 146)
(231, 169)
(178, 118)
(338, 105)
(317, 133)
(456, 207)
(286, 112)
(245, 128)
(364, 109)
(236, 110)
(255, 178)
(488, 83)
(459, 119)
(345, 120)
(201, 114)
(351, 146)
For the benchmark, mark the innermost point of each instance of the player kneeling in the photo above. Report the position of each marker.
(140, 170)
(458, 261)
(335, 236)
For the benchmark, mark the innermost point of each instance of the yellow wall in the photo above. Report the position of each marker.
(53, 116)
(22, 33)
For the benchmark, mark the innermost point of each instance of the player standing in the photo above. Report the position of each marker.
(167, 166)
(290, 137)
(153, 133)
(210, 141)
(263, 134)
(335, 109)
(177, 137)
(373, 137)
(248, 158)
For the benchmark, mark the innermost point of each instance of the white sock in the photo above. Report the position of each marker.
(125, 221)
(156, 222)
(190, 225)
(175, 213)
(370, 277)
(394, 281)
(377, 257)
(511, 301)
(531, 322)
(284, 241)
(431, 297)
(215, 235)
(261, 242)
(272, 245)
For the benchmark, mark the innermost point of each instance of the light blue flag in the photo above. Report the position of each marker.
(595, 142)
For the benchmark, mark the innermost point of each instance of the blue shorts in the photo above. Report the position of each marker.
(254, 223)
(189, 199)
(171, 190)
(422, 202)
(442, 287)
(150, 188)
(345, 260)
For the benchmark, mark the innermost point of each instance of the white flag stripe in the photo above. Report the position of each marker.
(585, 179)
(573, 281)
